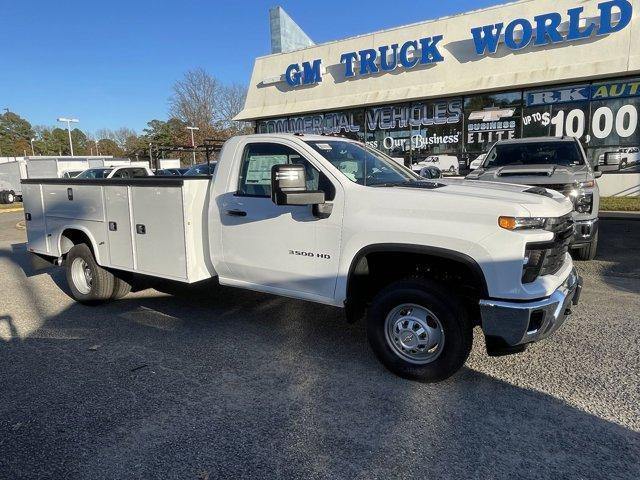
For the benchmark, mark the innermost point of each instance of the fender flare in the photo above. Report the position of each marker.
(444, 253)
(93, 245)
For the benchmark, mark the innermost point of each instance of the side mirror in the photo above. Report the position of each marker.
(289, 187)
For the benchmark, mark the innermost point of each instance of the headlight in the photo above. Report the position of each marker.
(584, 203)
(522, 223)
(587, 184)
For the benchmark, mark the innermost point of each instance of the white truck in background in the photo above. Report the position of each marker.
(16, 169)
(11, 173)
(331, 221)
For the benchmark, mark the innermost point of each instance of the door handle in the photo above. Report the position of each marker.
(236, 213)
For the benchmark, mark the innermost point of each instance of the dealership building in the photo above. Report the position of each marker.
(455, 85)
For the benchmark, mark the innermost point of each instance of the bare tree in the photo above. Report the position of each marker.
(122, 136)
(194, 98)
(230, 103)
(104, 134)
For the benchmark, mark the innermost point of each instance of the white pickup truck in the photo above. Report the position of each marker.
(331, 221)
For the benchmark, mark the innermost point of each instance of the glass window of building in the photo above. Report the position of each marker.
(615, 108)
(388, 129)
(437, 136)
(490, 118)
(557, 111)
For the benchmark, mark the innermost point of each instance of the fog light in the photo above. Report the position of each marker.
(533, 260)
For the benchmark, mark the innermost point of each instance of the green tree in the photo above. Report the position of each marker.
(79, 142)
(107, 146)
(15, 135)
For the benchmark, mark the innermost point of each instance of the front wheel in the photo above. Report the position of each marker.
(89, 282)
(419, 331)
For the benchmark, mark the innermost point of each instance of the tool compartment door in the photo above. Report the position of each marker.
(119, 226)
(34, 215)
(159, 231)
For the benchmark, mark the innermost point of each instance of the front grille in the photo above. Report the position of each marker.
(547, 258)
(556, 250)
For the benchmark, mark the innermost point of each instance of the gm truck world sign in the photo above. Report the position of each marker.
(520, 33)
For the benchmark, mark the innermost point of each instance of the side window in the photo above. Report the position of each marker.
(122, 173)
(255, 169)
(138, 172)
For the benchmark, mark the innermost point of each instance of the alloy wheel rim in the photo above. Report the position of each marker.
(414, 333)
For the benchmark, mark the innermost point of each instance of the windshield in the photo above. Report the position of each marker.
(361, 165)
(95, 173)
(538, 153)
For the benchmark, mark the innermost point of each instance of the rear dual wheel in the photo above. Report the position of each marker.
(89, 282)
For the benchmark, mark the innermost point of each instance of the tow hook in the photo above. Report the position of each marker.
(576, 296)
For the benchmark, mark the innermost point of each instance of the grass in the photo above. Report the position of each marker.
(12, 206)
(620, 204)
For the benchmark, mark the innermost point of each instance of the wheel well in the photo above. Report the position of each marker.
(375, 268)
(71, 237)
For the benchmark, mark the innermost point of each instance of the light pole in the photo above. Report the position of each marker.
(193, 144)
(97, 151)
(33, 152)
(69, 121)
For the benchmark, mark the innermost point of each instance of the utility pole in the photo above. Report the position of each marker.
(97, 151)
(193, 144)
(69, 121)
(33, 152)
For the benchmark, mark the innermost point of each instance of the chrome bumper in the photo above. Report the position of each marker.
(512, 324)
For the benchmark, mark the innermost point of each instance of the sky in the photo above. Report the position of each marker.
(112, 63)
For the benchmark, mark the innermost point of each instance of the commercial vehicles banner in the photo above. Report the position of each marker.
(604, 115)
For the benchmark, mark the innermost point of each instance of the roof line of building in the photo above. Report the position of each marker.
(400, 27)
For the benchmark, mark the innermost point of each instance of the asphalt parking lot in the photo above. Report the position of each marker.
(243, 385)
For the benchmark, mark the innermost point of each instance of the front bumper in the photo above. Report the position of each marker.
(511, 324)
(585, 231)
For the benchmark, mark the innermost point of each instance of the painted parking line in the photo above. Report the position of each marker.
(11, 210)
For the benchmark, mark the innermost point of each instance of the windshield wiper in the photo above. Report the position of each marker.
(392, 184)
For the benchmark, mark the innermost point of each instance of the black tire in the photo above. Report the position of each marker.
(121, 288)
(458, 332)
(100, 289)
(10, 197)
(588, 252)
(623, 165)
(3, 197)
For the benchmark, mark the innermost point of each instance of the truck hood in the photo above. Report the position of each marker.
(474, 197)
(533, 174)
